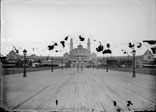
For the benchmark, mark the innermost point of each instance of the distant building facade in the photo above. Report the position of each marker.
(145, 60)
(80, 53)
(84, 55)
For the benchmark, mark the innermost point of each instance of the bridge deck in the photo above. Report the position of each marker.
(92, 89)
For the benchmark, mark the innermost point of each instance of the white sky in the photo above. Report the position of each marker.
(36, 23)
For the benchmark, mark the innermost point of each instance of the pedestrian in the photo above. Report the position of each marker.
(81, 66)
(56, 101)
(77, 65)
(77, 68)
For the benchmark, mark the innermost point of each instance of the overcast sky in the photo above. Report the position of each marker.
(36, 23)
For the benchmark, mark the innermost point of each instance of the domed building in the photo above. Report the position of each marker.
(80, 53)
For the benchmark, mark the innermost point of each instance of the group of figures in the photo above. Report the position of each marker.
(79, 65)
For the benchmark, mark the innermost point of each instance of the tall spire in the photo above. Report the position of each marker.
(71, 44)
(88, 45)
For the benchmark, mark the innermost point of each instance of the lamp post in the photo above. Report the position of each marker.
(93, 65)
(134, 52)
(67, 63)
(128, 61)
(24, 64)
(103, 62)
(106, 64)
(62, 63)
(96, 63)
(52, 64)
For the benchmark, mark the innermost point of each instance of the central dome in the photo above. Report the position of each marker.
(80, 46)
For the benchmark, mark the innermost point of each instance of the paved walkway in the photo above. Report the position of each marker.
(79, 92)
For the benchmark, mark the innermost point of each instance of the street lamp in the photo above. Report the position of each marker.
(93, 65)
(24, 64)
(66, 63)
(52, 64)
(96, 63)
(103, 62)
(128, 61)
(134, 52)
(62, 63)
(106, 64)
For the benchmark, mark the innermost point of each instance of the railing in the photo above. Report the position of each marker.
(15, 70)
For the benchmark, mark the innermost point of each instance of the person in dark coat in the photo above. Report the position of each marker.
(81, 65)
(77, 65)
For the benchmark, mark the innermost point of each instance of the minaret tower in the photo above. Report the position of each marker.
(88, 45)
(71, 44)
